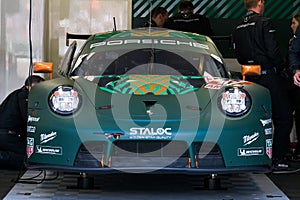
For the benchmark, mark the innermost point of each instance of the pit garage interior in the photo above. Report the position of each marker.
(50, 21)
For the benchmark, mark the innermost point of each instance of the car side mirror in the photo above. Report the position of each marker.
(43, 67)
(251, 70)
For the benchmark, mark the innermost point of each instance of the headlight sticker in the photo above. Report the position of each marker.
(65, 100)
(235, 102)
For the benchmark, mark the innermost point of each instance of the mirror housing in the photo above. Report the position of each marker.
(251, 70)
(43, 67)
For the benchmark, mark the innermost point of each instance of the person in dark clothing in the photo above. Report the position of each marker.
(294, 64)
(13, 125)
(294, 56)
(159, 16)
(188, 21)
(255, 44)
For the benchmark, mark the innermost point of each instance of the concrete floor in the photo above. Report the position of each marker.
(128, 186)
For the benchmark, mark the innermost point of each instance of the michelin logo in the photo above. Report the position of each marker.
(255, 151)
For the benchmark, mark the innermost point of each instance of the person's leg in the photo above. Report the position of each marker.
(12, 150)
(281, 115)
(297, 120)
(10, 159)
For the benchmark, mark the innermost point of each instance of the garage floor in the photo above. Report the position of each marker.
(137, 186)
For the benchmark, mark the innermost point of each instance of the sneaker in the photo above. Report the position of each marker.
(283, 167)
(280, 166)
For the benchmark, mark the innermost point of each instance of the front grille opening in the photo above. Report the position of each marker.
(208, 155)
(150, 148)
(90, 154)
(158, 154)
(172, 154)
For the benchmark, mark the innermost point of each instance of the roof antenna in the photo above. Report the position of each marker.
(115, 26)
(150, 14)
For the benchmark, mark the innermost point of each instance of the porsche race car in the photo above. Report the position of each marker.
(148, 100)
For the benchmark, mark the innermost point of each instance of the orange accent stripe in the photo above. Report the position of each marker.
(196, 162)
(102, 161)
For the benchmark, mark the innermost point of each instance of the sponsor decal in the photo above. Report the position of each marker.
(30, 146)
(268, 131)
(44, 138)
(248, 139)
(239, 83)
(265, 122)
(31, 129)
(48, 150)
(150, 133)
(150, 41)
(269, 148)
(213, 86)
(33, 119)
(213, 83)
(254, 151)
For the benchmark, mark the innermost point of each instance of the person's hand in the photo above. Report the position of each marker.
(297, 78)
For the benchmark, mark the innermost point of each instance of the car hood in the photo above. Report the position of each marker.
(158, 96)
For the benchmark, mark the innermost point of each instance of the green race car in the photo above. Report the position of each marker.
(148, 100)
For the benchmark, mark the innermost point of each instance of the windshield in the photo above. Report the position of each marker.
(149, 61)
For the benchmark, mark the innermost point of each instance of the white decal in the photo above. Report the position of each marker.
(213, 86)
(30, 146)
(245, 25)
(33, 119)
(255, 151)
(44, 138)
(268, 131)
(31, 129)
(150, 133)
(207, 77)
(248, 139)
(265, 122)
(49, 150)
(150, 41)
(269, 148)
(213, 82)
(217, 58)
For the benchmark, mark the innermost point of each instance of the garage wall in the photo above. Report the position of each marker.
(14, 43)
(82, 17)
(51, 19)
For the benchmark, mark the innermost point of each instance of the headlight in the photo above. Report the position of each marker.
(235, 102)
(64, 100)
